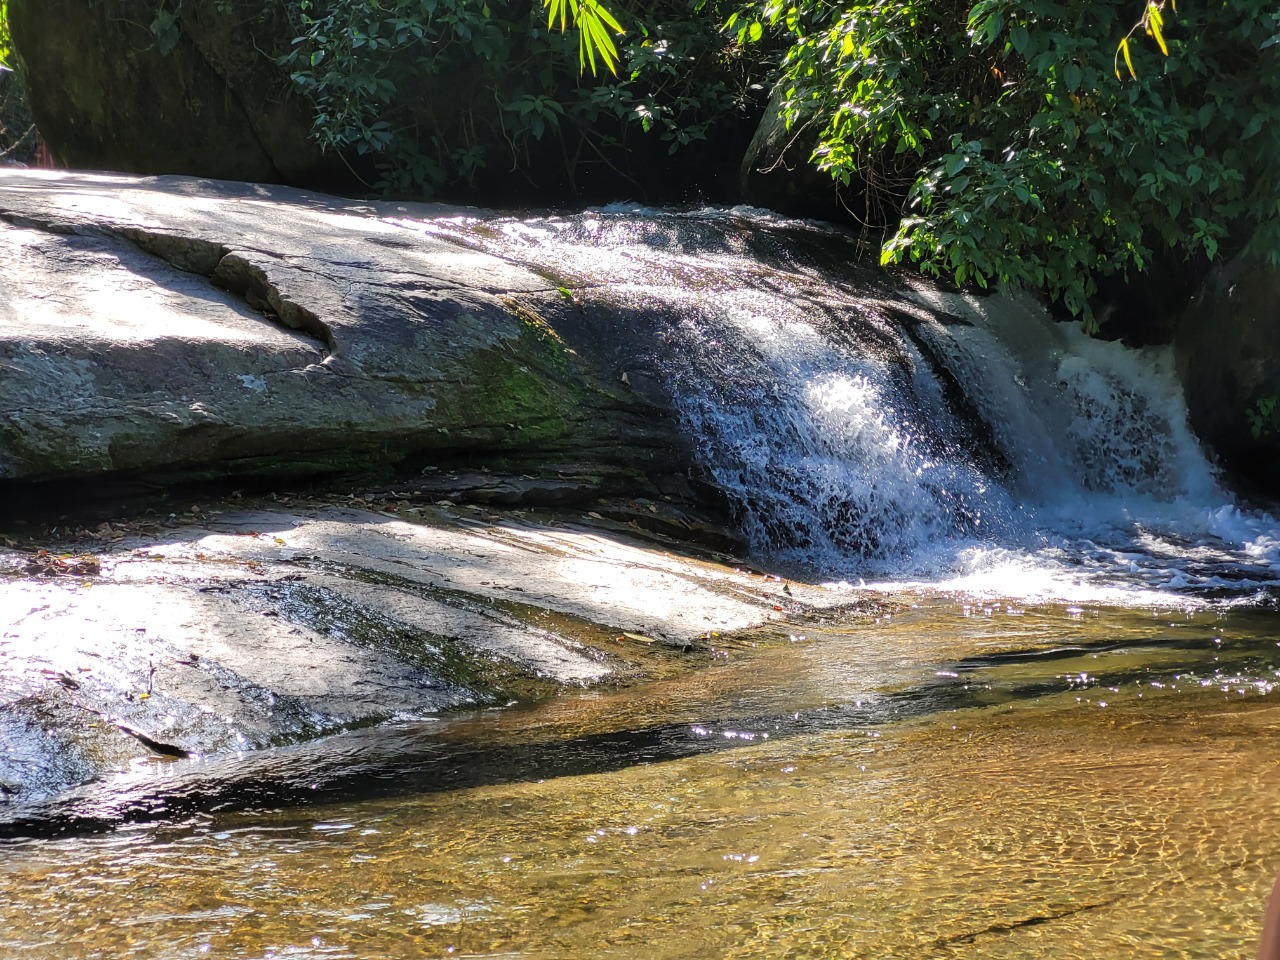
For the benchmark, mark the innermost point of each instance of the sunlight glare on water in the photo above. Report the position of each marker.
(1036, 715)
(1117, 800)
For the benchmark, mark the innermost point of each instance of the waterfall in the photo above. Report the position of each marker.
(878, 428)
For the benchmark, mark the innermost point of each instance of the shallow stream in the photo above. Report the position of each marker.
(996, 781)
(1045, 724)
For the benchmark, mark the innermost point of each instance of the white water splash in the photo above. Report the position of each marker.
(974, 446)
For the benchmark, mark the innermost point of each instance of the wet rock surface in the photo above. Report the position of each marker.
(237, 630)
(168, 330)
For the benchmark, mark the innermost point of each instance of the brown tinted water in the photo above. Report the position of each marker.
(951, 781)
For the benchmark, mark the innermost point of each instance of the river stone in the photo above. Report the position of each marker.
(191, 329)
(1227, 359)
(259, 628)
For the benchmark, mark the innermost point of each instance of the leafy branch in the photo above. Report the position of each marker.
(993, 144)
(1152, 23)
(6, 45)
(439, 94)
(593, 22)
(1264, 417)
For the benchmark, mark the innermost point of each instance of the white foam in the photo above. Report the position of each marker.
(827, 422)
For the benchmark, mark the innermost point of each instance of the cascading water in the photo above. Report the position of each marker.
(918, 775)
(895, 432)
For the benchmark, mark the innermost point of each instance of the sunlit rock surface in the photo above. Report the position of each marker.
(263, 628)
(195, 329)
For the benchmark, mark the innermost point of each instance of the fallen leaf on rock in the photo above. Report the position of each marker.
(45, 564)
(63, 678)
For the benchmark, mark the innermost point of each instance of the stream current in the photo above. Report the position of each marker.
(881, 432)
(1053, 736)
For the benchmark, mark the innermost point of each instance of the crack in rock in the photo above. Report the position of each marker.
(241, 276)
(230, 270)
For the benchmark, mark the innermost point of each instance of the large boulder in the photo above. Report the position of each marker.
(181, 329)
(109, 92)
(1228, 350)
(18, 139)
(778, 171)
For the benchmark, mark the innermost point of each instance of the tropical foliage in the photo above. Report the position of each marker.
(594, 24)
(6, 53)
(431, 85)
(1011, 141)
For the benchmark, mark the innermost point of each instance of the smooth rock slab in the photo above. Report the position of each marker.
(268, 627)
(195, 329)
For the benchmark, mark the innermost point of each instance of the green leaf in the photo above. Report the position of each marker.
(1020, 39)
(593, 23)
(165, 29)
(1155, 25)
